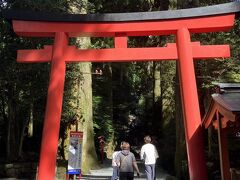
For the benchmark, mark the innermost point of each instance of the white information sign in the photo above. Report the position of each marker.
(75, 153)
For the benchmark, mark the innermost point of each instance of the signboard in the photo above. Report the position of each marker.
(75, 153)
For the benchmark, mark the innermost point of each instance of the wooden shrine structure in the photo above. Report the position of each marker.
(224, 115)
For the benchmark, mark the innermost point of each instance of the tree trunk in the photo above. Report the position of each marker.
(89, 156)
(157, 81)
(12, 132)
(108, 86)
(180, 154)
(28, 122)
(157, 93)
(81, 103)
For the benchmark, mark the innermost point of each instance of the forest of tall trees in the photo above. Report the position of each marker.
(125, 102)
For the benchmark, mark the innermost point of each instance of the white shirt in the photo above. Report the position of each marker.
(114, 158)
(149, 153)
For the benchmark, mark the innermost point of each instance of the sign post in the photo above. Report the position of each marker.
(75, 153)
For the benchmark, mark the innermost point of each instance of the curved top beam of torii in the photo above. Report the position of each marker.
(226, 8)
(120, 26)
(196, 20)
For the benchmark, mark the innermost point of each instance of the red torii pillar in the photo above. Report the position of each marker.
(184, 51)
(53, 109)
(190, 105)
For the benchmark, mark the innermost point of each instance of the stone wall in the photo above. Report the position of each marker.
(27, 170)
(19, 170)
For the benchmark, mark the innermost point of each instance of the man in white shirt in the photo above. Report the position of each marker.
(149, 154)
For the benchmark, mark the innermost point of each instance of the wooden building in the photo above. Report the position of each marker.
(224, 115)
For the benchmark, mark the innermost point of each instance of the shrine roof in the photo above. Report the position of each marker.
(228, 96)
(230, 101)
(226, 8)
(226, 102)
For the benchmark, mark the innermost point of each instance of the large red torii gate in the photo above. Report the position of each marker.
(180, 23)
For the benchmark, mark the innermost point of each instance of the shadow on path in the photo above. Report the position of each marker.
(105, 172)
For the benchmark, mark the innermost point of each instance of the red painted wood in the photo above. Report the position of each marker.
(51, 127)
(223, 150)
(142, 28)
(120, 40)
(124, 54)
(210, 118)
(190, 105)
(39, 55)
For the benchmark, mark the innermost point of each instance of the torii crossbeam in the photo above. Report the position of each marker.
(180, 23)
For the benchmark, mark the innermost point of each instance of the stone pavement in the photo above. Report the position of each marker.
(106, 171)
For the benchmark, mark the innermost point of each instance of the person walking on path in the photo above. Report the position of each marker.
(149, 154)
(115, 166)
(127, 162)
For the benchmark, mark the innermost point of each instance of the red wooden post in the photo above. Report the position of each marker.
(223, 150)
(51, 127)
(191, 112)
(120, 40)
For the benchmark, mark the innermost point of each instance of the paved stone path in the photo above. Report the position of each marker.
(105, 173)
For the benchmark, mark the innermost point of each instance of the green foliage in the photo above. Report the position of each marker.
(22, 86)
(102, 119)
(40, 5)
(220, 70)
(212, 2)
(117, 6)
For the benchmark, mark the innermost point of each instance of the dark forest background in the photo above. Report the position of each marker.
(126, 102)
